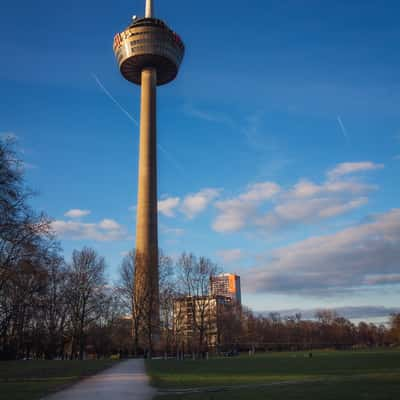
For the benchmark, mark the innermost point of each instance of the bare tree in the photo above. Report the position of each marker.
(127, 294)
(194, 278)
(395, 328)
(26, 244)
(102, 331)
(168, 293)
(147, 300)
(86, 294)
(137, 309)
(54, 310)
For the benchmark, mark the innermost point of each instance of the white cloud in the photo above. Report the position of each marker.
(338, 209)
(230, 255)
(172, 231)
(109, 225)
(320, 208)
(77, 213)
(168, 206)
(307, 211)
(261, 191)
(237, 212)
(234, 214)
(194, 204)
(190, 206)
(352, 167)
(305, 188)
(306, 202)
(105, 230)
(364, 254)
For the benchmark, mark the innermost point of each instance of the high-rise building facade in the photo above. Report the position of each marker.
(195, 315)
(227, 285)
(149, 54)
(213, 315)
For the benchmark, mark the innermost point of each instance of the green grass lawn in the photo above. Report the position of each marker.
(30, 380)
(328, 375)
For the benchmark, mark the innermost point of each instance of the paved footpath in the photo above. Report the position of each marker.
(125, 381)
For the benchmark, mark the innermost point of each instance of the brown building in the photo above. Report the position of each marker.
(227, 285)
(198, 320)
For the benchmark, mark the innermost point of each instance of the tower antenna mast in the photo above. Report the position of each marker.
(149, 9)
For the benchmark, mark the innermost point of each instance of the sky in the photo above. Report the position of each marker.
(278, 143)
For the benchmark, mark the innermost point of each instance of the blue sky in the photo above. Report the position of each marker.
(279, 143)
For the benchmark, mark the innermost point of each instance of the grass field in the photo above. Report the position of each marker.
(327, 375)
(30, 380)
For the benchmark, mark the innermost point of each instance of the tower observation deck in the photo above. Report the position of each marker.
(148, 54)
(148, 42)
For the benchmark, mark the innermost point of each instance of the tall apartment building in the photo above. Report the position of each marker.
(227, 285)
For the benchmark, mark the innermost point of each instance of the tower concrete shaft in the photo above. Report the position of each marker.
(146, 274)
(148, 54)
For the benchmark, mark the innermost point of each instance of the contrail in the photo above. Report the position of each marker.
(171, 158)
(112, 98)
(344, 131)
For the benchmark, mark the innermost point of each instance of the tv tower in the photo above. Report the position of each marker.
(149, 54)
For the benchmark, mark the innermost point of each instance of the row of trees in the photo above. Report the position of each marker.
(46, 305)
(326, 330)
(50, 308)
(27, 252)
